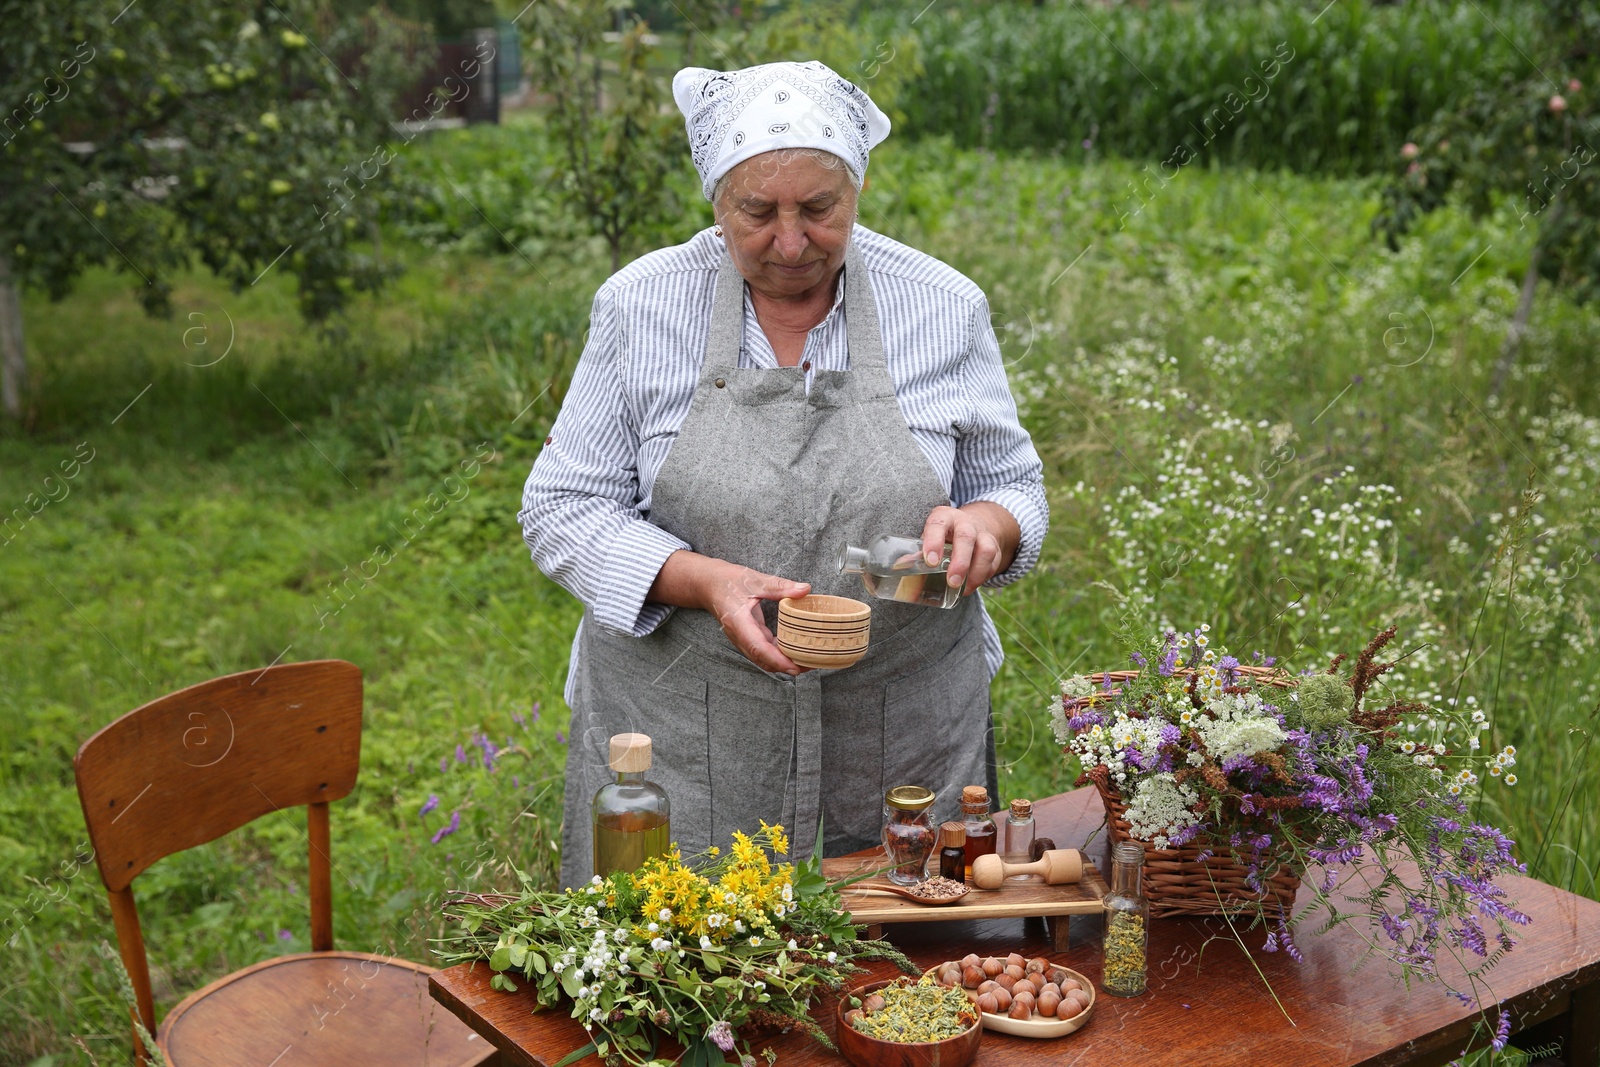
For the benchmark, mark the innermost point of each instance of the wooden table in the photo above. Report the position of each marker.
(1206, 1002)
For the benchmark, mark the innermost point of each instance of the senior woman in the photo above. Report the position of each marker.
(747, 402)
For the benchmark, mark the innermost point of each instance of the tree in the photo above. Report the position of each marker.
(619, 138)
(142, 137)
(1534, 138)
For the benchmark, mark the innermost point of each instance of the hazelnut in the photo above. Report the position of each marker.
(992, 966)
(1020, 1010)
(1048, 1003)
(987, 1003)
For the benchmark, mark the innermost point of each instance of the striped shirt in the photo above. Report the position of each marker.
(586, 506)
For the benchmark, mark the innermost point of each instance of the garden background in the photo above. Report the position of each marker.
(1294, 297)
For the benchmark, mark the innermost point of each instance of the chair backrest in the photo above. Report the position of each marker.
(196, 764)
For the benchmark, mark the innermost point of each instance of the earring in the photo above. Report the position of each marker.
(717, 231)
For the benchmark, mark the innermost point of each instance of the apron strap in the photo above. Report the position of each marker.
(863, 334)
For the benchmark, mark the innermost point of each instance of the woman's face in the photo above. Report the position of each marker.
(786, 218)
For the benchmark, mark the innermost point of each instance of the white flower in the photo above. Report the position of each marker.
(1477, 716)
(681, 953)
(1438, 748)
(1160, 806)
(1408, 747)
(1473, 744)
(596, 880)
(788, 892)
(754, 941)
(833, 957)
(1511, 779)
(583, 991)
(1205, 627)
(705, 942)
(595, 1013)
(652, 928)
(1455, 789)
(792, 945)
(620, 935)
(1076, 687)
(666, 915)
(1510, 750)
(1495, 771)
(661, 944)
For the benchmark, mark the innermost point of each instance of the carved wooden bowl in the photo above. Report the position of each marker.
(823, 631)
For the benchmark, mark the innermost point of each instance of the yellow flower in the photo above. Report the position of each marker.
(776, 838)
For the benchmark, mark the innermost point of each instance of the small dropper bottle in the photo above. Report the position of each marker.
(953, 851)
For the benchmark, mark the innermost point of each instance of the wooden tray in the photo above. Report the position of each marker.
(1019, 899)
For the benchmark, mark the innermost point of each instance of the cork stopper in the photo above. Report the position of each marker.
(952, 835)
(630, 753)
(1022, 809)
(974, 795)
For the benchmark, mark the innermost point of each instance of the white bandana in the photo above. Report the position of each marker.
(733, 115)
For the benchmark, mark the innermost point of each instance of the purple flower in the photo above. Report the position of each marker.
(444, 764)
(535, 716)
(561, 738)
(721, 1035)
(516, 717)
(285, 935)
(448, 828)
(1138, 660)
(429, 805)
(461, 754)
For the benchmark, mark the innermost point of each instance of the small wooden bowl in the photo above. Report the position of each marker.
(864, 1051)
(823, 631)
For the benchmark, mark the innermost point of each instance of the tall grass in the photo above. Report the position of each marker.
(1334, 90)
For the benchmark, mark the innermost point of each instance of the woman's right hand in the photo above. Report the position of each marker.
(733, 594)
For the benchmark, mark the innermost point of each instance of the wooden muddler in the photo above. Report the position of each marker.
(1057, 866)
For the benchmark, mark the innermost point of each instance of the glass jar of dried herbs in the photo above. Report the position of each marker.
(1127, 924)
(908, 834)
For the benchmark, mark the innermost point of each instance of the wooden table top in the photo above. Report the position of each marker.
(1205, 997)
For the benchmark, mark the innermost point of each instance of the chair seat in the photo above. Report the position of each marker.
(336, 1008)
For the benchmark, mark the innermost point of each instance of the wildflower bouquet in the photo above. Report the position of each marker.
(691, 952)
(1282, 774)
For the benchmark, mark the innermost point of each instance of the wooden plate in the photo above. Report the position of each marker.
(1037, 1027)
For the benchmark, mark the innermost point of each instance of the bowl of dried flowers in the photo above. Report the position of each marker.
(908, 1022)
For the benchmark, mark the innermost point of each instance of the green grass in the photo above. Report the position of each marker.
(202, 536)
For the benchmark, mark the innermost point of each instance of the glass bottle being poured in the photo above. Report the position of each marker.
(631, 815)
(894, 568)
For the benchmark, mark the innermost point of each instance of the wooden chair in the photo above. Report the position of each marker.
(201, 762)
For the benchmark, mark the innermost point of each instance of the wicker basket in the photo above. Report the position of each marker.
(1175, 880)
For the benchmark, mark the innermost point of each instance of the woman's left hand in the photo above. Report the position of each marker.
(982, 536)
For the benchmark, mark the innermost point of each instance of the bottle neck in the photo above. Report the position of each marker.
(975, 811)
(630, 778)
(852, 560)
(1125, 878)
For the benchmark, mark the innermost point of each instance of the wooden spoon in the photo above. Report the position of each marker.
(889, 887)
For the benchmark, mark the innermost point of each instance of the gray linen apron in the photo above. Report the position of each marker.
(766, 476)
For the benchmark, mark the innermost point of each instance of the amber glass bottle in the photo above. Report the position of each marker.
(979, 825)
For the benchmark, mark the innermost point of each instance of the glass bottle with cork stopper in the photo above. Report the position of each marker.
(978, 824)
(631, 816)
(953, 851)
(1019, 831)
(1127, 924)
